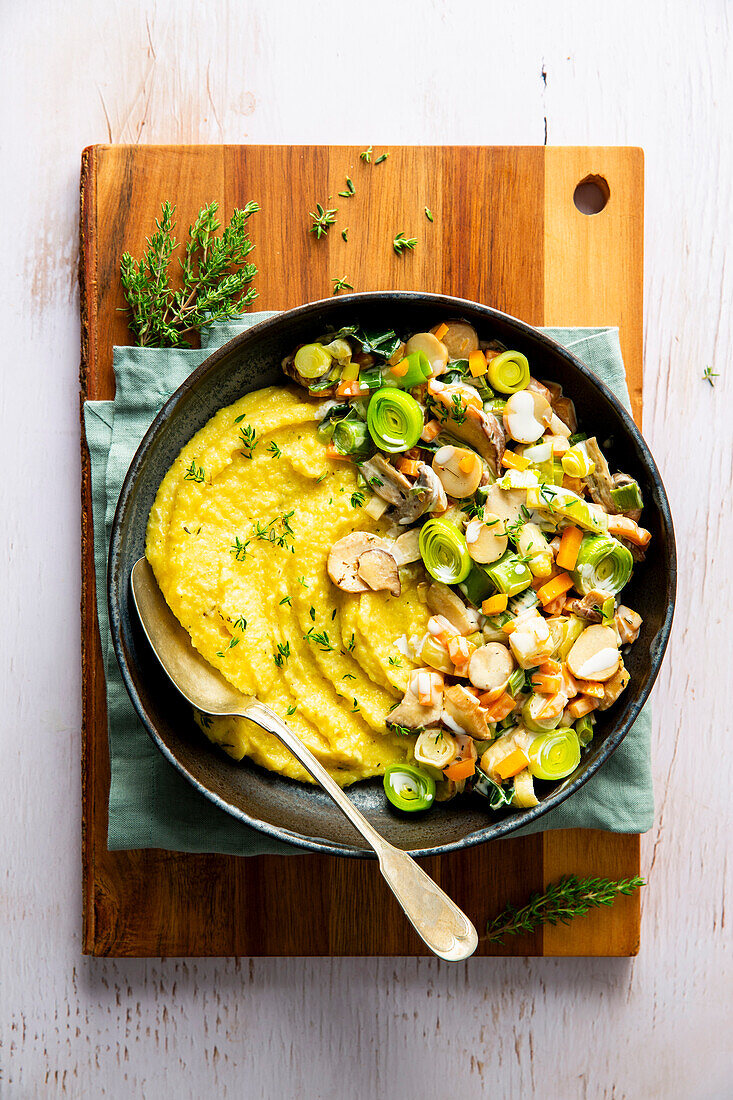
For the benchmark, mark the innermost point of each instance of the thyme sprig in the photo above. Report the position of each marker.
(401, 242)
(322, 219)
(366, 156)
(215, 274)
(194, 473)
(341, 284)
(709, 374)
(562, 901)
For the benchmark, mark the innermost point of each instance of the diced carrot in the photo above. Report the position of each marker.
(461, 769)
(477, 363)
(550, 667)
(431, 430)
(546, 685)
(467, 464)
(581, 706)
(554, 706)
(510, 460)
(349, 389)
(554, 588)
(333, 452)
(407, 466)
(511, 765)
(570, 542)
(399, 370)
(495, 604)
(623, 527)
(510, 627)
(440, 331)
(490, 697)
(540, 582)
(498, 711)
(592, 688)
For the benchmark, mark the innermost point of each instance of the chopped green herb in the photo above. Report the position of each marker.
(395, 662)
(239, 419)
(458, 410)
(285, 599)
(322, 477)
(273, 449)
(341, 284)
(291, 710)
(401, 242)
(366, 156)
(322, 219)
(355, 707)
(348, 676)
(281, 654)
(303, 582)
(352, 644)
(312, 614)
(403, 731)
(239, 549)
(357, 500)
(429, 215)
(248, 439)
(345, 234)
(321, 638)
(382, 158)
(709, 374)
(240, 623)
(194, 473)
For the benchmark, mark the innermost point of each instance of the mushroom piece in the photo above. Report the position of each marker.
(435, 351)
(532, 642)
(460, 339)
(505, 503)
(460, 470)
(462, 707)
(613, 687)
(378, 569)
(486, 538)
(590, 606)
(425, 495)
(483, 432)
(595, 655)
(526, 416)
(406, 548)
(600, 482)
(490, 666)
(413, 715)
(539, 387)
(443, 601)
(628, 624)
(564, 410)
(343, 560)
(384, 480)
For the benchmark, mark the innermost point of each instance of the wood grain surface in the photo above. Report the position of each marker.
(505, 223)
(657, 75)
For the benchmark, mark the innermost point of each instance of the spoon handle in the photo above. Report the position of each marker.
(439, 922)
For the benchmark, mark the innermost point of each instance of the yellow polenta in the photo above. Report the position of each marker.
(257, 600)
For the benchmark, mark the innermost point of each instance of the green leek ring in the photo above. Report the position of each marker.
(603, 562)
(395, 420)
(554, 755)
(444, 551)
(509, 372)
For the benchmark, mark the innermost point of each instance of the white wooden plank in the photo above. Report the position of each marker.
(656, 75)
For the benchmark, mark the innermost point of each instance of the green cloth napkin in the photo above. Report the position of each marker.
(150, 804)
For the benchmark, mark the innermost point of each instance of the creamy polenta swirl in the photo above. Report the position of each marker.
(238, 538)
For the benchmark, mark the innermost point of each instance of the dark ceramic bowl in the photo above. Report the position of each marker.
(301, 814)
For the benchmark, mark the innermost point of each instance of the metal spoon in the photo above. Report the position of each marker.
(436, 919)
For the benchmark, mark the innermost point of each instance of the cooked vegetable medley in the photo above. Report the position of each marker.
(526, 539)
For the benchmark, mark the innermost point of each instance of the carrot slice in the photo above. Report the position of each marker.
(546, 685)
(498, 711)
(467, 464)
(570, 541)
(554, 588)
(460, 770)
(510, 460)
(399, 370)
(490, 697)
(431, 430)
(581, 706)
(593, 688)
(511, 765)
(440, 331)
(407, 466)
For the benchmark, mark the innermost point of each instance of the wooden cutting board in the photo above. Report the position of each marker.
(506, 233)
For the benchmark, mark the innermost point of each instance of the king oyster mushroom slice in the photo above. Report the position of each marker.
(379, 570)
(490, 666)
(343, 560)
(457, 482)
(406, 547)
(435, 351)
(595, 655)
(426, 494)
(384, 480)
(443, 601)
(486, 538)
(464, 709)
(613, 687)
(484, 433)
(460, 339)
(527, 415)
(413, 715)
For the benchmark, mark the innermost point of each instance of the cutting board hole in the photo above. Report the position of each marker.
(591, 195)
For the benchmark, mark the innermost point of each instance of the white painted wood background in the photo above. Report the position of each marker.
(654, 74)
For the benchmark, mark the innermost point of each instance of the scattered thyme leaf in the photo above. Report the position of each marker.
(239, 549)
(429, 215)
(291, 710)
(273, 449)
(366, 156)
(357, 500)
(285, 599)
(341, 284)
(344, 234)
(281, 654)
(381, 158)
(395, 662)
(240, 623)
(709, 374)
(401, 242)
(194, 473)
(322, 219)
